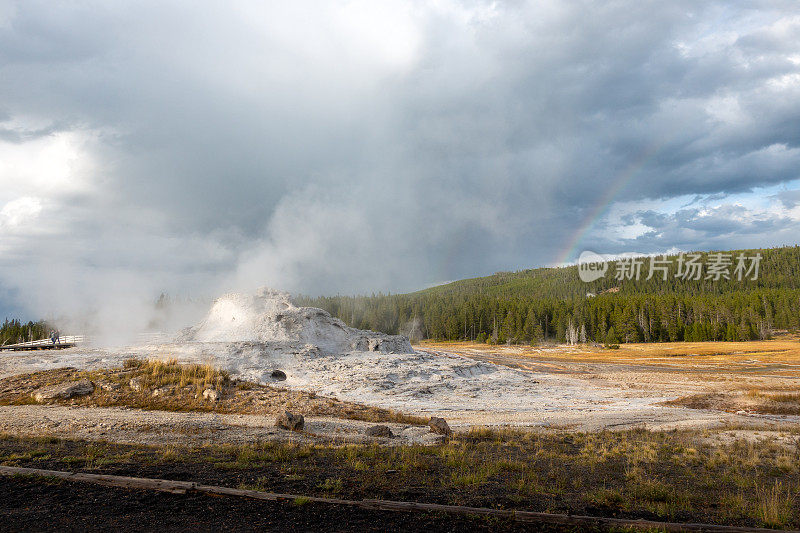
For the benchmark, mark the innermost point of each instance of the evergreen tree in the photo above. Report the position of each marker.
(540, 304)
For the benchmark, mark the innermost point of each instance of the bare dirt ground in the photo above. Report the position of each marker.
(134, 426)
(167, 405)
(723, 386)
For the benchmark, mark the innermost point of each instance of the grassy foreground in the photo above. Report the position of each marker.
(672, 476)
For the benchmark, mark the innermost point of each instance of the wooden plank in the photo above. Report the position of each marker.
(163, 485)
(550, 518)
(20, 470)
(181, 487)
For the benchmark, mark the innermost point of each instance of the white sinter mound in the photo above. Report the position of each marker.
(253, 335)
(269, 316)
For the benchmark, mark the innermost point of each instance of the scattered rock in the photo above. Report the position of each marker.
(379, 431)
(290, 421)
(64, 391)
(109, 387)
(439, 425)
(280, 375)
(211, 395)
(432, 439)
(422, 435)
(135, 384)
(163, 391)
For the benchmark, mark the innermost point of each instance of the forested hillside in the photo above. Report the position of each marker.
(553, 304)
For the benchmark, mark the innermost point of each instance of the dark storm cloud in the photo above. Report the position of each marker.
(344, 147)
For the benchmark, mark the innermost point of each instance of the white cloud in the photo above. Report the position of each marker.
(20, 212)
(52, 165)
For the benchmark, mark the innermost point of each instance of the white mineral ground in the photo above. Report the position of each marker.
(252, 335)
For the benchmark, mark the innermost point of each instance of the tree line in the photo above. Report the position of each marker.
(554, 305)
(14, 331)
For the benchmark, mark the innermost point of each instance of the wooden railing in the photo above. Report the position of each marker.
(63, 341)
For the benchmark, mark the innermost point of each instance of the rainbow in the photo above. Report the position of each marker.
(606, 200)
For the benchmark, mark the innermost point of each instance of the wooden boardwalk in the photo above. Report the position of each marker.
(64, 341)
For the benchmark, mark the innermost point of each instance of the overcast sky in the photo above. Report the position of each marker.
(360, 146)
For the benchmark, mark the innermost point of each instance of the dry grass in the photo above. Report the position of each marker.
(172, 386)
(674, 476)
(773, 402)
(776, 396)
(775, 504)
(157, 374)
(784, 348)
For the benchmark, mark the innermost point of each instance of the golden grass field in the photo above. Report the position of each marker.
(755, 376)
(783, 350)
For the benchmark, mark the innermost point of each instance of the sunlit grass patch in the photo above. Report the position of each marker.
(155, 373)
(775, 503)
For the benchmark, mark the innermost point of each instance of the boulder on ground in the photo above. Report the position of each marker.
(64, 391)
(290, 421)
(211, 395)
(439, 425)
(280, 375)
(379, 431)
(135, 384)
(369, 341)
